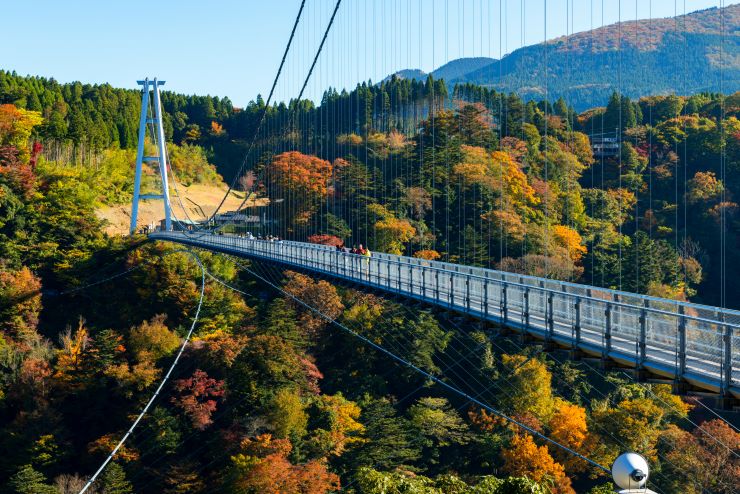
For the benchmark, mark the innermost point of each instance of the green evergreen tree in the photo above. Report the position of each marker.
(611, 115)
(114, 481)
(561, 108)
(629, 119)
(29, 481)
(391, 439)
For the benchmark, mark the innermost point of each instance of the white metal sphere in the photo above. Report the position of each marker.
(630, 471)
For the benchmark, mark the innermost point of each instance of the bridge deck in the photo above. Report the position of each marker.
(695, 344)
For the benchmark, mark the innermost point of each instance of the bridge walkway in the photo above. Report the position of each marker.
(695, 345)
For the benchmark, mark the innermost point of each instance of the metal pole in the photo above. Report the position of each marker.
(727, 377)
(681, 344)
(577, 325)
(163, 165)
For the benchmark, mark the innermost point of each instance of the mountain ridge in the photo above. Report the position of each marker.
(684, 54)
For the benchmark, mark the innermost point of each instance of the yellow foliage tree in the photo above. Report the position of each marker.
(531, 387)
(390, 232)
(138, 377)
(571, 240)
(152, 339)
(288, 414)
(636, 422)
(349, 139)
(344, 429)
(499, 172)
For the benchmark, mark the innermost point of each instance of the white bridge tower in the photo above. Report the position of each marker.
(150, 98)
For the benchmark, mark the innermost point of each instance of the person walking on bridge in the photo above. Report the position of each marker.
(365, 252)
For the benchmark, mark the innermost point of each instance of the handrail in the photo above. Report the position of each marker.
(456, 267)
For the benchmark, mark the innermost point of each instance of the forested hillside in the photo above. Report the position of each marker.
(672, 150)
(269, 397)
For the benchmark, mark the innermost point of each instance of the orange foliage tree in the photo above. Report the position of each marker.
(523, 458)
(568, 427)
(16, 125)
(20, 292)
(105, 444)
(428, 254)
(263, 467)
(300, 173)
(323, 239)
(704, 457)
(570, 240)
(301, 181)
(320, 294)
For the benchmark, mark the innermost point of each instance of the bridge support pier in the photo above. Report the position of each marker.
(150, 91)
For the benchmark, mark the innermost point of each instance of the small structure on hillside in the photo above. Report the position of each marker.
(179, 225)
(605, 145)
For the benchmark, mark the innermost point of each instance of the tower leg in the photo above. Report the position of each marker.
(139, 156)
(163, 165)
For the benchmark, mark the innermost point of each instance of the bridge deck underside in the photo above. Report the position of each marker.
(688, 343)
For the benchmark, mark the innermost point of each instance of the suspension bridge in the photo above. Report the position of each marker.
(693, 347)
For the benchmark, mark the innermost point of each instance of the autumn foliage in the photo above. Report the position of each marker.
(525, 458)
(297, 173)
(323, 239)
(263, 467)
(428, 254)
(197, 397)
(320, 295)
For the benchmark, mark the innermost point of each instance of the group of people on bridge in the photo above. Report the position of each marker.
(268, 238)
(360, 251)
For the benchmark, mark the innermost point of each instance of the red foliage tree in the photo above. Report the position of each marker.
(196, 398)
(35, 152)
(323, 239)
(298, 182)
(15, 172)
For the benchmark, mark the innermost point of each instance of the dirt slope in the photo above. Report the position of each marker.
(199, 200)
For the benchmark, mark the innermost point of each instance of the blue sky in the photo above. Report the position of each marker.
(233, 47)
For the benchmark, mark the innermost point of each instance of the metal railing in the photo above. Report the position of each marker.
(688, 342)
